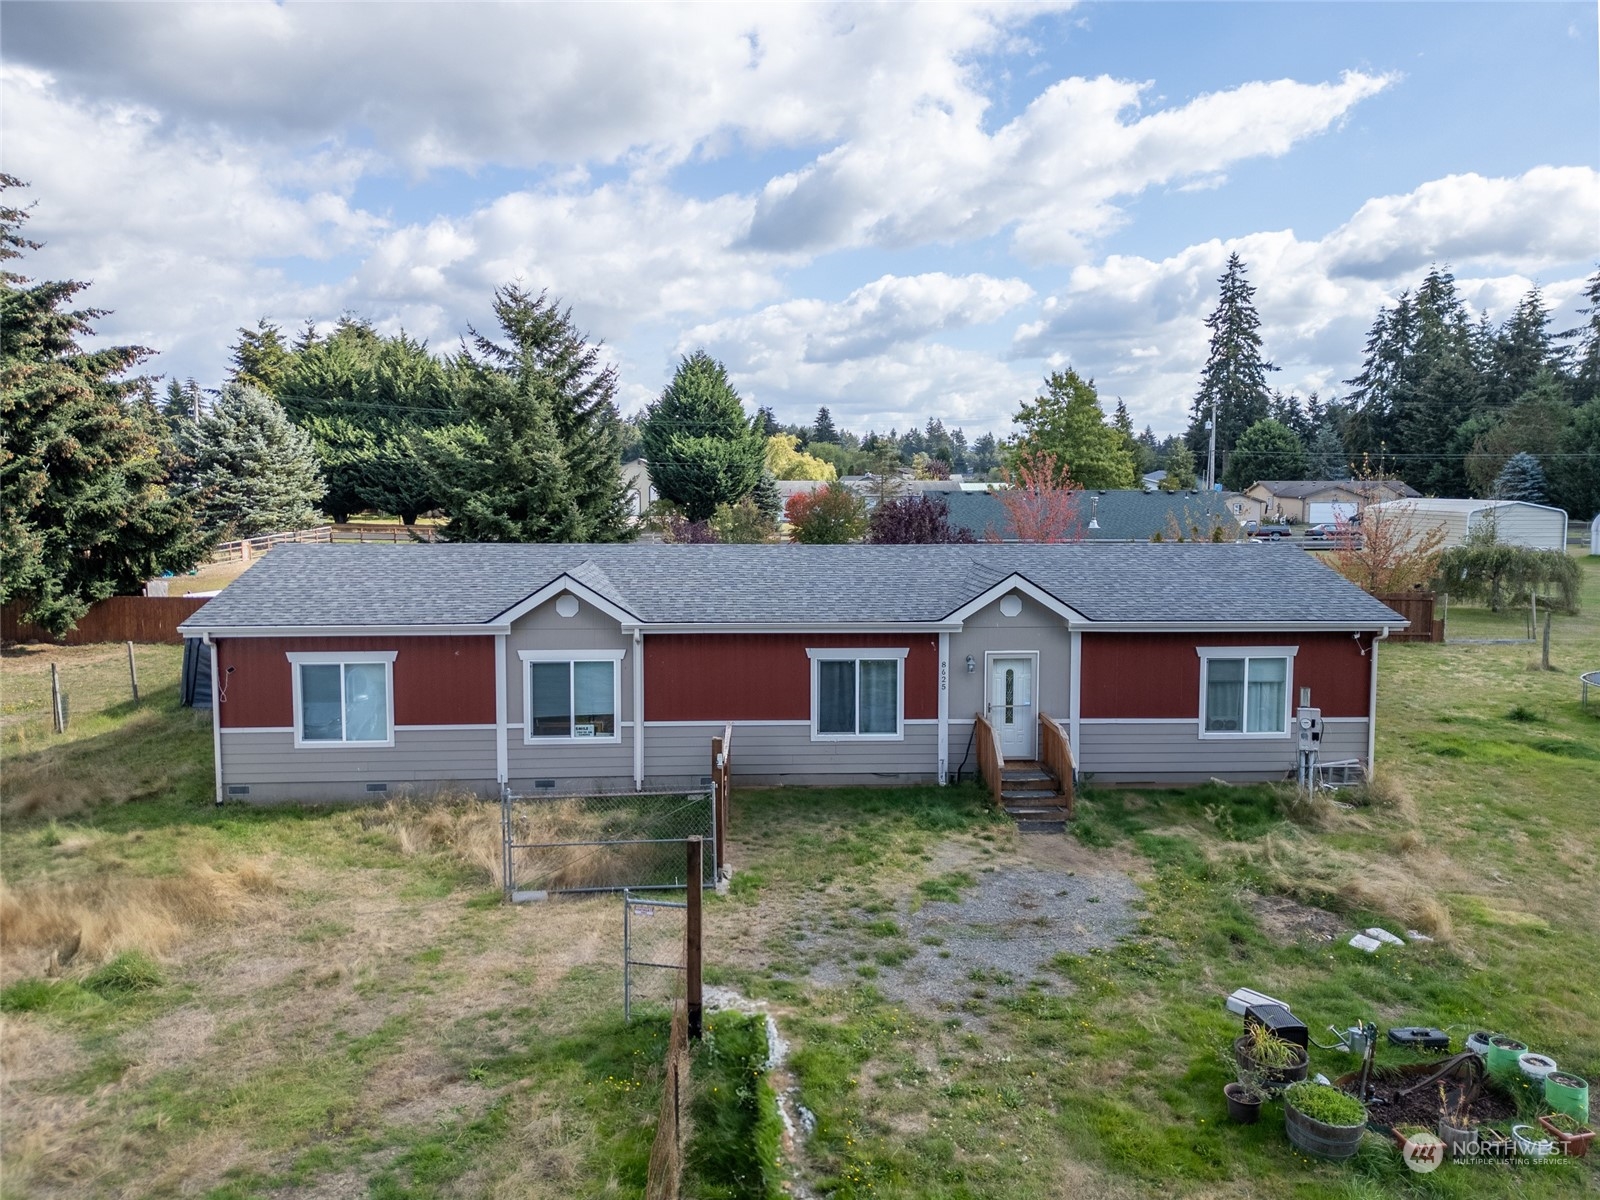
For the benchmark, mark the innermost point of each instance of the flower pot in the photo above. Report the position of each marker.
(1573, 1145)
(1503, 1053)
(1478, 1043)
(1318, 1137)
(1274, 1079)
(1535, 1067)
(1568, 1093)
(1493, 1144)
(1244, 1107)
(1456, 1138)
(1531, 1142)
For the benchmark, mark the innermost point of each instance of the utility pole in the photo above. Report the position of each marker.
(1211, 448)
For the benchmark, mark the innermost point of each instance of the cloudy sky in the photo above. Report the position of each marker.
(896, 211)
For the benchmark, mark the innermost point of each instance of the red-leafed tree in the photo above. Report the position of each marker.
(1042, 501)
(827, 516)
(914, 520)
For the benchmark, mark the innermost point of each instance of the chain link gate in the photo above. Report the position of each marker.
(574, 844)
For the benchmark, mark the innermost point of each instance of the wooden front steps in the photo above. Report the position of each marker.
(1032, 797)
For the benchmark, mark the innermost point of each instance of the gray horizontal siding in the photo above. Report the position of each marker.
(581, 759)
(268, 762)
(1139, 752)
(787, 752)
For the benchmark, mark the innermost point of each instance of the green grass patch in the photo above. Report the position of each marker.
(734, 1151)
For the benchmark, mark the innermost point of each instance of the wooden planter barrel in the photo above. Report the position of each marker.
(1316, 1137)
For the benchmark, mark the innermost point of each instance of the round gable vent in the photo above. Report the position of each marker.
(566, 605)
(1010, 605)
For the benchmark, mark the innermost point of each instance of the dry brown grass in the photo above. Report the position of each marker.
(107, 914)
(1403, 888)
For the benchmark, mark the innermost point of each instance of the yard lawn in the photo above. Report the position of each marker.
(334, 1003)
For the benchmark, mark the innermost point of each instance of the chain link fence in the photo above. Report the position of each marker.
(559, 845)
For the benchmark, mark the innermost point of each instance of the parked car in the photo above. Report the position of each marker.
(1333, 533)
(1256, 529)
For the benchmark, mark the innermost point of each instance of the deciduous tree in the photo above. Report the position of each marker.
(1066, 422)
(1042, 503)
(1267, 450)
(914, 520)
(829, 515)
(785, 460)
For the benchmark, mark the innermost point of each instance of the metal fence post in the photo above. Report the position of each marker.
(506, 853)
(627, 957)
(133, 674)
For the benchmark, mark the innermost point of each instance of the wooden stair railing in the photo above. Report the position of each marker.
(1055, 753)
(991, 761)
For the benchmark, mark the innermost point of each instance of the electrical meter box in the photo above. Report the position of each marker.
(1308, 725)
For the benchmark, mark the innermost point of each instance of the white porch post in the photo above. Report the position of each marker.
(502, 755)
(1075, 698)
(638, 710)
(944, 706)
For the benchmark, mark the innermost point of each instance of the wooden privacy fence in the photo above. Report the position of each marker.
(247, 548)
(119, 619)
(1055, 752)
(1418, 608)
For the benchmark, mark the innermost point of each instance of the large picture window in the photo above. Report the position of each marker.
(857, 693)
(343, 698)
(571, 697)
(1245, 692)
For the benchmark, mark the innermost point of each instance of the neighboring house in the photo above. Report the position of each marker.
(1123, 515)
(641, 492)
(1152, 480)
(1316, 501)
(1516, 522)
(352, 672)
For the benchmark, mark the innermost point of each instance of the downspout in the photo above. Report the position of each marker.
(1372, 706)
(1075, 700)
(944, 707)
(502, 752)
(216, 718)
(638, 710)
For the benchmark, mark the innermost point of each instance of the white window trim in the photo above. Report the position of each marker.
(822, 654)
(1207, 653)
(614, 657)
(298, 658)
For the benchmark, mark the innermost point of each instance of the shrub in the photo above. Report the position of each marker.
(828, 516)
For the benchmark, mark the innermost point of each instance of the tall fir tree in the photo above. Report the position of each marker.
(1575, 470)
(1267, 450)
(822, 429)
(1233, 383)
(1067, 422)
(1325, 455)
(1180, 468)
(702, 449)
(247, 469)
(85, 510)
(1521, 348)
(1582, 349)
(261, 358)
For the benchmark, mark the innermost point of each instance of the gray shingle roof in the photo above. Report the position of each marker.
(1299, 489)
(1123, 515)
(319, 586)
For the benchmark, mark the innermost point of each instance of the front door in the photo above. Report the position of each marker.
(1011, 709)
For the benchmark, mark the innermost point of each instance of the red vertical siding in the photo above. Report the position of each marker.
(765, 677)
(437, 680)
(1156, 675)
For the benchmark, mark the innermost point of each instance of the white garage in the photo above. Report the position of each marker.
(1516, 522)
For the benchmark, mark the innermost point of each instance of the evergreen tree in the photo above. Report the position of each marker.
(1575, 470)
(822, 430)
(246, 469)
(184, 402)
(85, 511)
(544, 354)
(985, 454)
(1584, 349)
(1535, 423)
(1267, 450)
(1180, 469)
(1066, 421)
(1520, 479)
(1122, 422)
(501, 475)
(1326, 457)
(1520, 350)
(260, 358)
(702, 449)
(1233, 383)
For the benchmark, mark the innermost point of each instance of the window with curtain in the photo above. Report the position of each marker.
(344, 702)
(574, 699)
(858, 697)
(1246, 695)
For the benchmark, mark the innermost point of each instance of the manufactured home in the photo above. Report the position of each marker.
(351, 672)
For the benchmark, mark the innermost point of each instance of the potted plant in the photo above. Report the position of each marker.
(1322, 1120)
(1455, 1123)
(1573, 1135)
(1244, 1102)
(1269, 1058)
(1493, 1143)
(1530, 1142)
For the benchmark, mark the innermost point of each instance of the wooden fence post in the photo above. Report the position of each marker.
(57, 718)
(694, 1003)
(1546, 656)
(133, 674)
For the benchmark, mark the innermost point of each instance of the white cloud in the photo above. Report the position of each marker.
(935, 174)
(872, 354)
(1318, 298)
